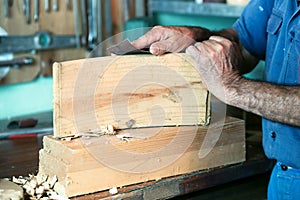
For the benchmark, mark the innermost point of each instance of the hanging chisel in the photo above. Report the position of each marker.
(83, 22)
(10, 3)
(27, 11)
(16, 62)
(68, 5)
(5, 8)
(54, 5)
(47, 5)
(36, 10)
(76, 20)
(24, 6)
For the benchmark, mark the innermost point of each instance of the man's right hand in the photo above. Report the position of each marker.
(162, 39)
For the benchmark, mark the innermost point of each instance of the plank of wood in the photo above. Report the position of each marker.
(128, 92)
(86, 165)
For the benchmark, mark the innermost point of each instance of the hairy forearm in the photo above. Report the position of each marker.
(275, 102)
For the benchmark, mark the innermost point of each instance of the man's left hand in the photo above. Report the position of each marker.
(217, 60)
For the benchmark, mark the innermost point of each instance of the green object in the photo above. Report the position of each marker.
(44, 39)
(210, 22)
(26, 98)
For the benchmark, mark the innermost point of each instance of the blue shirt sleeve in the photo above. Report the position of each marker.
(252, 26)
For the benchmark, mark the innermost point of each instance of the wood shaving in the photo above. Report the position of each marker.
(113, 191)
(102, 130)
(40, 187)
(127, 136)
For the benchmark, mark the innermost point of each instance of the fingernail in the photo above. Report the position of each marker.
(154, 50)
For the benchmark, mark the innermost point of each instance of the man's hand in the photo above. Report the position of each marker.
(217, 60)
(162, 39)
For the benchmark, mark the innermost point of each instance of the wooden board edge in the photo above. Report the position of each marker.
(56, 98)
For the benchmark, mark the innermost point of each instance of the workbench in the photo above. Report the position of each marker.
(19, 157)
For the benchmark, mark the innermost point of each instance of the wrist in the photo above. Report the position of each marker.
(200, 34)
(233, 90)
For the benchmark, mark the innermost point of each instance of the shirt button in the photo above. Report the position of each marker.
(273, 135)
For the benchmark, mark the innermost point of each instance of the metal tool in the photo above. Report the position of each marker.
(126, 10)
(76, 19)
(5, 8)
(99, 21)
(16, 62)
(24, 6)
(108, 18)
(39, 41)
(47, 4)
(10, 3)
(83, 21)
(68, 5)
(93, 23)
(27, 11)
(91, 28)
(36, 10)
(54, 5)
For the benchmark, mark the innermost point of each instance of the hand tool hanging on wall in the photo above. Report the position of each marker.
(94, 15)
(27, 11)
(108, 19)
(39, 41)
(54, 5)
(76, 19)
(23, 6)
(16, 62)
(68, 5)
(83, 21)
(47, 5)
(5, 7)
(10, 3)
(36, 10)
(92, 35)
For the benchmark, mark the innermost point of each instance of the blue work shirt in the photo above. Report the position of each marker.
(270, 30)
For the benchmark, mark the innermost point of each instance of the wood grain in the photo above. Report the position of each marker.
(166, 152)
(128, 92)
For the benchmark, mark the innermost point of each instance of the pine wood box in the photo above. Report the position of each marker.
(161, 110)
(130, 91)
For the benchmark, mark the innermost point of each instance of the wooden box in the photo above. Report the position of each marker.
(160, 109)
(130, 91)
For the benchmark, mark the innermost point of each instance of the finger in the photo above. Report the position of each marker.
(158, 48)
(148, 38)
(164, 46)
(218, 38)
(194, 51)
(212, 45)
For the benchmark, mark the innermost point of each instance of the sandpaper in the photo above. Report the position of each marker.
(125, 48)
